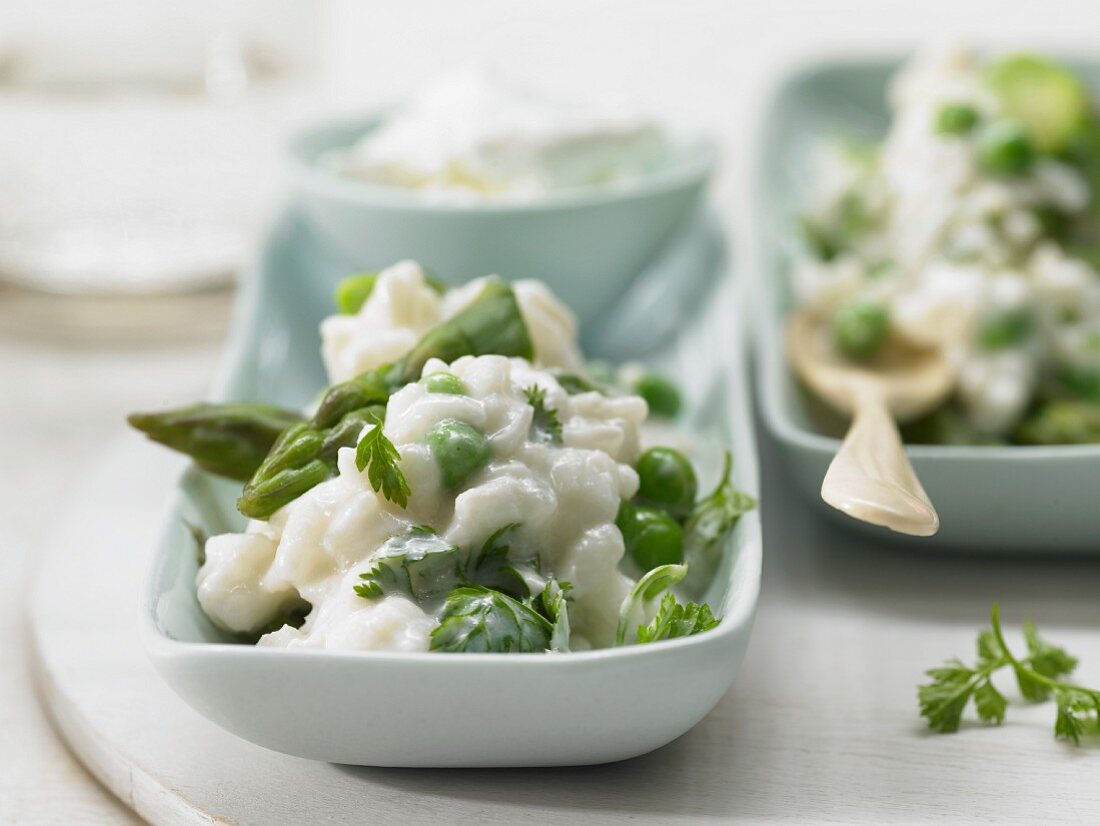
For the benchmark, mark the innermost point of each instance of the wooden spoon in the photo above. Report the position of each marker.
(870, 478)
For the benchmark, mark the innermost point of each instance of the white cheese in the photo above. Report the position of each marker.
(468, 137)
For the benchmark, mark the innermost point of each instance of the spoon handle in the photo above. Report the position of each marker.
(870, 477)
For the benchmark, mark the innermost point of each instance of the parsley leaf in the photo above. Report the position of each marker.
(943, 700)
(954, 685)
(493, 566)
(1077, 710)
(554, 604)
(545, 426)
(425, 568)
(989, 649)
(417, 564)
(716, 515)
(989, 702)
(676, 620)
(647, 588)
(377, 455)
(1046, 659)
(479, 620)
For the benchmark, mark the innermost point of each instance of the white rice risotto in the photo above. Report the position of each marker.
(948, 247)
(564, 497)
(403, 307)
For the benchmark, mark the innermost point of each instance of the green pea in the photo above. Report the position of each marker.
(859, 328)
(667, 481)
(651, 536)
(956, 119)
(662, 396)
(459, 449)
(445, 383)
(1004, 148)
(352, 292)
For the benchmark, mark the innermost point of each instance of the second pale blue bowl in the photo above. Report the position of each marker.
(587, 243)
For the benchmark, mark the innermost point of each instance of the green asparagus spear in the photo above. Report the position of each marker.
(226, 439)
(281, 457)
(307, 456)
(302, 458)
(492, 324)
(365, 390)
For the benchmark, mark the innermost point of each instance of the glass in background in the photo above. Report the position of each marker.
(140, 155)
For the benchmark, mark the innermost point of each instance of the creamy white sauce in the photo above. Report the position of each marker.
(403, 307)
(468, 137)
(563, 496)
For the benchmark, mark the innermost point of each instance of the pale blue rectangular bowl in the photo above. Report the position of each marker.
(1010, 500)
(392, 709)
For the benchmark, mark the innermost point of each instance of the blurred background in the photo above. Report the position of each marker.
(140, 161)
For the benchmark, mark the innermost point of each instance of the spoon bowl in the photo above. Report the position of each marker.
(870, 478)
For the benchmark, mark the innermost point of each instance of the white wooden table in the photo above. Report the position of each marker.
(60, 403)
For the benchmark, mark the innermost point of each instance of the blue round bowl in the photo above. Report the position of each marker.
(586, 243)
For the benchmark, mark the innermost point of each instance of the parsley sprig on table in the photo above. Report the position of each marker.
(1040, 675)
(377, 455)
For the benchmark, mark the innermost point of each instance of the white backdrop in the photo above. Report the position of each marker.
(702, 62)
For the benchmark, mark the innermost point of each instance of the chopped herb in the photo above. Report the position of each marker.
(647, 588)
(676, 620)
(545, 424)
(377, 455)
(417, 564)
(554, 605)
(492, 567)
(426, 568)
(716, 514)
(479, 620)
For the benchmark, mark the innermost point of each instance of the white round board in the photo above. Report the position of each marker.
(820, 725)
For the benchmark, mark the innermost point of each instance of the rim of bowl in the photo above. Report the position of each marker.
(696, 166)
